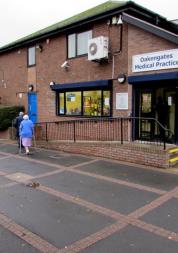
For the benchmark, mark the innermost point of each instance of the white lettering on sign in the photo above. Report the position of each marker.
(155, 61)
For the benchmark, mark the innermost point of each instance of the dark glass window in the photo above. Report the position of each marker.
(78, 43)
(88, 103)
(31, 56)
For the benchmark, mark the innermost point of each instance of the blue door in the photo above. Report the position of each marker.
(32, 106)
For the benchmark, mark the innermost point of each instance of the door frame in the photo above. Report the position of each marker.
(138, 112)
(137, 90)
(34, 119)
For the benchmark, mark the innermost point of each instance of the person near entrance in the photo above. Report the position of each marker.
(16, 124)
(162, 113)
(26, 133)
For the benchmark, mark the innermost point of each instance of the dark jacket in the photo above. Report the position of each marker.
(16, 124)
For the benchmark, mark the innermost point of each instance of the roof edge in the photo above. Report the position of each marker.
(101, 11)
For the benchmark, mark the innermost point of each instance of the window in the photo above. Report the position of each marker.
(89, 103)
(106, 103)
(71, 45)
(78, 43)
(92, 103)
(61, 101)
(73, 103)
(31, 56)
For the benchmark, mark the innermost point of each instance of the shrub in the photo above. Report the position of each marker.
(7, 115)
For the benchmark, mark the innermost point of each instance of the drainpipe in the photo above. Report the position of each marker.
(117, 52)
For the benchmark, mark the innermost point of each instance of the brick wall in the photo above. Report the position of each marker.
(88, 130)
(47, 69)
(14, 67)
(140, 42)
(17, 76)
(127, 152)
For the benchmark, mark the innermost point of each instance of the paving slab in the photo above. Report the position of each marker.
(13, 165)
(2, 156)
(58, 221)
(133, 240)
(165, 216)
(9, 148)
(63, 159)
(4, 181)
(10, 243)
(152, 178)
(107, 194)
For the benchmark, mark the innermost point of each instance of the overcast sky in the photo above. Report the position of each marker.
(19, 18)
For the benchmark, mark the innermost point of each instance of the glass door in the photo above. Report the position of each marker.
(146, 114)
(146, 111)
(157, 103)
(170, 100)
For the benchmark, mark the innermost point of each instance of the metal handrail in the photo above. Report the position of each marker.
(73, 129)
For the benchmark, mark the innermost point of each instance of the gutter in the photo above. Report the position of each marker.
(107, 14)
(57, 31)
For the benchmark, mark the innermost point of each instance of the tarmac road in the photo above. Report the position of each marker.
(55, 202)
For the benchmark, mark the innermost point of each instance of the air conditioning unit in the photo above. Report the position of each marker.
(98, 48)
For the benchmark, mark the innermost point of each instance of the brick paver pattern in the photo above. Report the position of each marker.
(121, 220)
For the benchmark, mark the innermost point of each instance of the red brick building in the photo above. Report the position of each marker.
(113, 60)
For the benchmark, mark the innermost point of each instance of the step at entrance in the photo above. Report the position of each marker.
(173, 157)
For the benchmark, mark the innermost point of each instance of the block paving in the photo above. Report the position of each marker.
(112, 223)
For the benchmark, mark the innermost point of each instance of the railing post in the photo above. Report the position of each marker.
(121, 131)
(164, 140)
(46, 132)
(74, 131)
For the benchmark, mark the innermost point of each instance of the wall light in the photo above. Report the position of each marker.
(121, 78)
(119, 21)
(30, 87)
(51, 83)
(114, 20)
(20, 95)
(40, 47)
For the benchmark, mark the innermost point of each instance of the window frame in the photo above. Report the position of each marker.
(76, 43)
(28, 56)
(82, 104)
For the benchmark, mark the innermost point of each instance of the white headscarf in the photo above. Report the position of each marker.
(25, 117)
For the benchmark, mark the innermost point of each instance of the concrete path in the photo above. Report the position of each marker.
(55, 202)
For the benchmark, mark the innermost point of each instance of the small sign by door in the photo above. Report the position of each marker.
(122, 101)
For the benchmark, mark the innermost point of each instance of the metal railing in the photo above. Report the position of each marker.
(120, 129)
